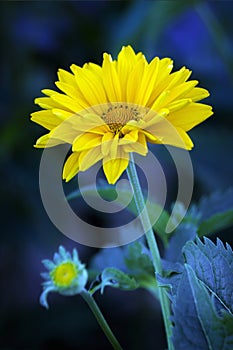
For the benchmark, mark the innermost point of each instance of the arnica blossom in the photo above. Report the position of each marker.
(66, 275)
(105, 112)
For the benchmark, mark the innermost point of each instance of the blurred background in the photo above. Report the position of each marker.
(37, 38)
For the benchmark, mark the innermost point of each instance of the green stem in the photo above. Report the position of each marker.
(100, 319)
(145, 220)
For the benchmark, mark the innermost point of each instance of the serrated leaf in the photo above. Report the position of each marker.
(213, 265)
(201, 295)
(140, 265)
(122, 198)
(196, 322)
(117, 279)
(138, 259)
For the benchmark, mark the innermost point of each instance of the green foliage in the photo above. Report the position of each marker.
(117, 279)
(197, 324)
(129, 268)
(199, 274)
(213, 265)
(202, 297)
(216, 212)
(121, 197)
(138, 259)
(139, 263)
(211, 214)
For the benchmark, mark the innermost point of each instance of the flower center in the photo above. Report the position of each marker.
(119, 115)
(64, 274)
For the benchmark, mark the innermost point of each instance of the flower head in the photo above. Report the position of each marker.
(66, 275)
(105, 112)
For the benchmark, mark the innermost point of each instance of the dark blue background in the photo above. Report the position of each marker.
(37, 38)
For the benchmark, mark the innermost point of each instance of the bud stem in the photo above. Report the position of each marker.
(100, 319)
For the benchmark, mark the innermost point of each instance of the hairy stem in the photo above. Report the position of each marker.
(156, 259)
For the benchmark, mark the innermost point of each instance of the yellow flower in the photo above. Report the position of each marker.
(105, 112)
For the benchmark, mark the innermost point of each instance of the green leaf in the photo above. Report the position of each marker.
(139, 263)
(133, 260)
(217, 202)
(197, 324)
(138, 259)
(202, 297)
(213, 265)
(117, 279)
(215, 212)
(121, 196)
(216, 223)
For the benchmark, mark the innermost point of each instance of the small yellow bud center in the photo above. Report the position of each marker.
(64, 274)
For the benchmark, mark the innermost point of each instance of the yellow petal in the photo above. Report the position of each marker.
(74, 68)
(190, 116)
(178, 77)
(89, 158)
(46, 118)
(134, 80)
(188, 144)
(142, 141)
(165, 133)
(48, 92)
(126, 62)
(114, 146)
(66, 77)
(197, 94)
(94, 68)
(71, 167)
(46, 141)
(113, 168)
(178, 104)
(91, 87)
(130, 137)
(86, 141)
(182, 90)
(106, 143)
(46, 103)
(69, 103)
(144, 90)
(160, 101)
(62, 114)
(165, 66)
(111, 80)
(169, 81)
(69, 90)
(150, 137)
(140, 146)
(89, 123)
